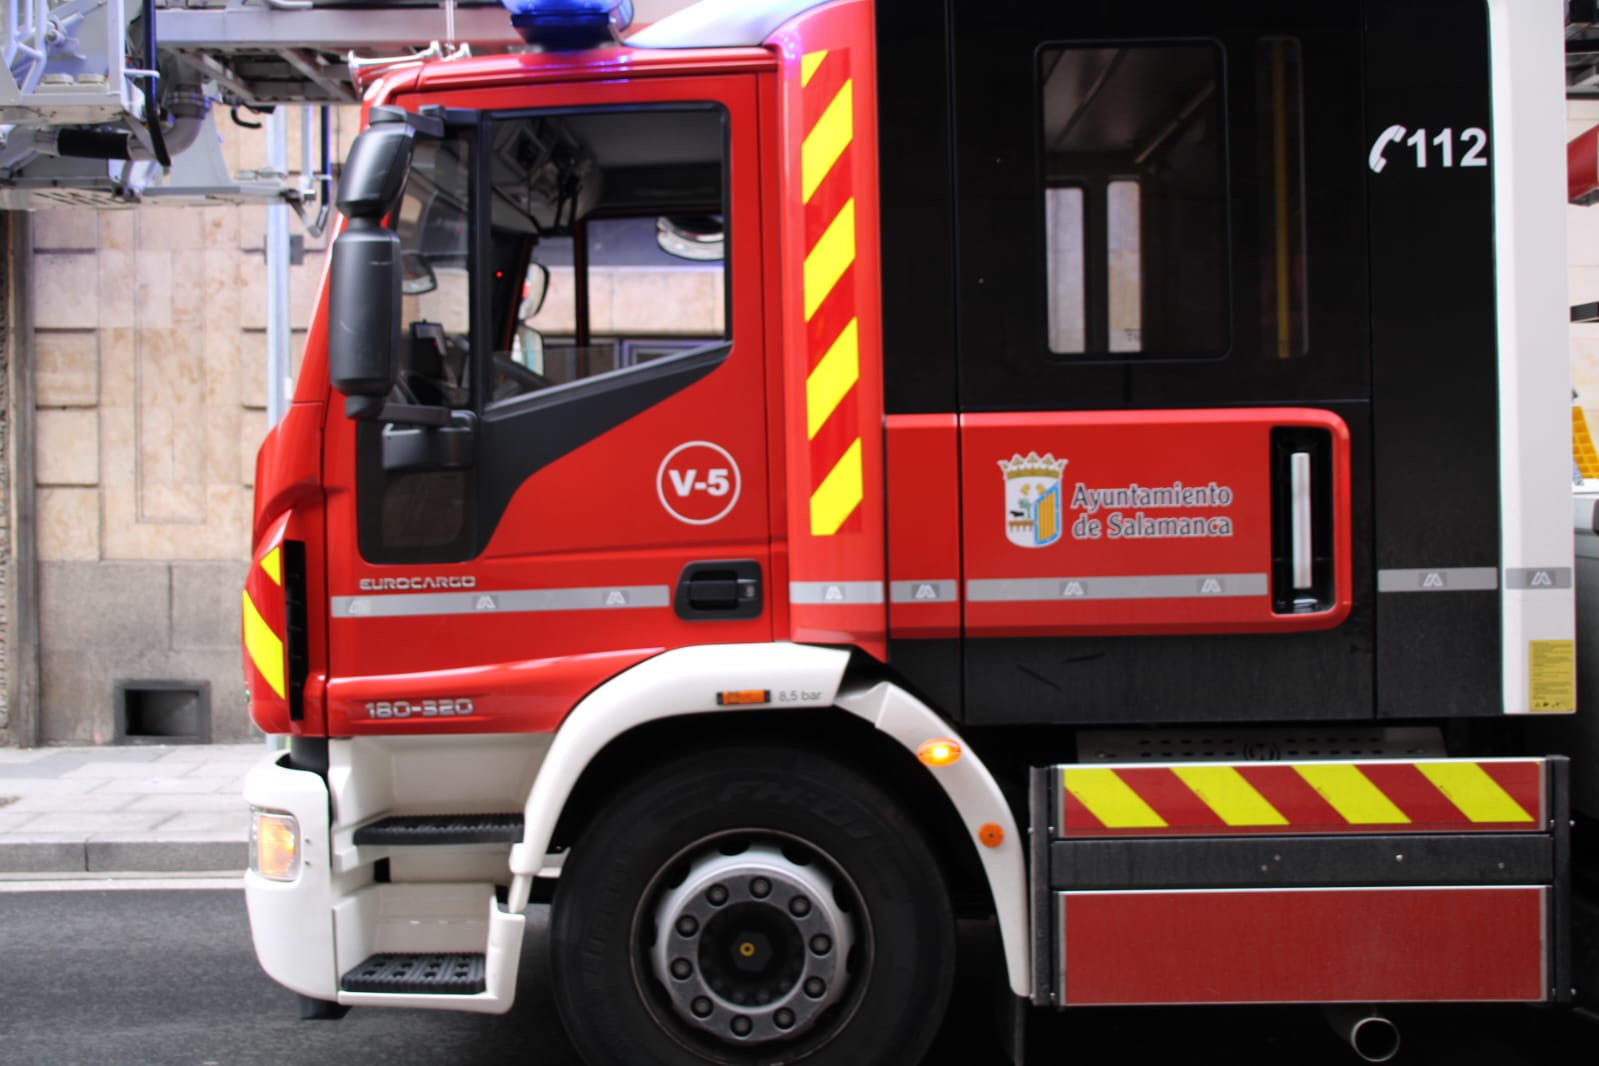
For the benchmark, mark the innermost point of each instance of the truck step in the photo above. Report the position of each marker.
(419, 974)
(425, 829)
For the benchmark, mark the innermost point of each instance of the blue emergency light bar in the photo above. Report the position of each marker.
(569, 25)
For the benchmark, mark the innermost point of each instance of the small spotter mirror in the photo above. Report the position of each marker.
(696, 237)
(416, 274)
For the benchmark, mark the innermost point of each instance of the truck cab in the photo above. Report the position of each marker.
(813, 468)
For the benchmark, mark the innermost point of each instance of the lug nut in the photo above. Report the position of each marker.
(717, 894)
(821, 944)
(687, 926)
(799, 906)
(682, 969)
(701, 1007)
(742, 1026)
(760, 888)
(784, 1019)
(815, 987)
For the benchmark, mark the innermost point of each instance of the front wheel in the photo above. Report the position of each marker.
(748, 906)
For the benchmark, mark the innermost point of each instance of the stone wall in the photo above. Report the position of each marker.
(150, 356)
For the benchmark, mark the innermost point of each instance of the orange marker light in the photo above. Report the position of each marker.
(940, 751)
(743, 697)
(275, 845)
(990, 835)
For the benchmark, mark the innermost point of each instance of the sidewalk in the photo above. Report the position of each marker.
(146, 809)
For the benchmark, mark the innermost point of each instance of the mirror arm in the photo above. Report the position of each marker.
(413, 414)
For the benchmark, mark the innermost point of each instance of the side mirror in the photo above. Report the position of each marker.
(696, 237)
(416, 274)
(534, 289)
(366, 271)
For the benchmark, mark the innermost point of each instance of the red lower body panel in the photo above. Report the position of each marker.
(1304, 946)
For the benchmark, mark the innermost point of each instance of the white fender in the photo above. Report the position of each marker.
(674, 683)
(686, 681)
(977, 799)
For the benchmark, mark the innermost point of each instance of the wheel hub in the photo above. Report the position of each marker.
(752, 947)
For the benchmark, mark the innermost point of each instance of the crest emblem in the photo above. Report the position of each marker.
(1033, 510)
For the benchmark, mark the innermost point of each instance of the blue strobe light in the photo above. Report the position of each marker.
(567, 25)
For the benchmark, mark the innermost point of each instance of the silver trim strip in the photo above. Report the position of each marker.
(835, 593)
(1143, 587)
(1439, 579)
(945, 591)
(1299, 491)
(503, 601)
(1537, 578)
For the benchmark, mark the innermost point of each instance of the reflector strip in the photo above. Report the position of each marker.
(833, 254)
(1233, 799)
(827, 140)
(1477, 795)
(833, 420)
(272, 564)
(265, 648)
(808, 64)
(839, 493)
(1109, 799)
(1391, 795)
(1352, 794)
(832, 378)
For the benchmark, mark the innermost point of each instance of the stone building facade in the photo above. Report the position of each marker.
(149, 355)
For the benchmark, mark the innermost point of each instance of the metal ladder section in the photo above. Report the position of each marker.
(68, 79)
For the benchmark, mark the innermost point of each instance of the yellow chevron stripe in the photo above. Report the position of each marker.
(272, 563)
(827, 140)
(1110, 799)
(1469, 788)
(808, 64)
(266, 650)
(832, 379)
(840, 492)
(833, 254)
(1351, 794)
(1224, 790)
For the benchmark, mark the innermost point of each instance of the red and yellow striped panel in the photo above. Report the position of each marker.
(1205, 799)
(263, 611)
(832, 329)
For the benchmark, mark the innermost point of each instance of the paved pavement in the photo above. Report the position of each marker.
(145, 809)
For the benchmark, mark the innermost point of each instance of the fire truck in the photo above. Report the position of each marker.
(810, 470)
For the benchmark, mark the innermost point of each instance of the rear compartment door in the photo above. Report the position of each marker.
(1164, 362)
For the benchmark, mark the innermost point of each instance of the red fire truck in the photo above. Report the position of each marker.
(814, 469)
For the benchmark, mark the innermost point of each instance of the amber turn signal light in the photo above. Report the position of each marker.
(940, 751)
(275, 845)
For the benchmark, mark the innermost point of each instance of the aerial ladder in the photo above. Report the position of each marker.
(113, 103)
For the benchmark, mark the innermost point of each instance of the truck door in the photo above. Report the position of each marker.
(1165, 362)
(583, 302)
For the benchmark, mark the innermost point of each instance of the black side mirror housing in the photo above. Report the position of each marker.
(366, 270)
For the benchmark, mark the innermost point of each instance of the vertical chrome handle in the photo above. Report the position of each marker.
(1300, 534)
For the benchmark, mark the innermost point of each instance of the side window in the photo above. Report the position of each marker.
(434, 227)
(620, 232)
(1133, 153)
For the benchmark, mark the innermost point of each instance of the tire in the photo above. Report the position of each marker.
(863, 974)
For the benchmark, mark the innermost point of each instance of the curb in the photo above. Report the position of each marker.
(123, 853)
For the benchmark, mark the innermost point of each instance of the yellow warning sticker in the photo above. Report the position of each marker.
(1552, 675)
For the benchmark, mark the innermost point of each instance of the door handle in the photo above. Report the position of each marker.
(719, 590)
(1302, 570)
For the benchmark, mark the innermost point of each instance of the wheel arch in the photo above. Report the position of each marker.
(667, 705)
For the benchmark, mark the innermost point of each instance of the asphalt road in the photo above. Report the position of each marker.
(168, 977)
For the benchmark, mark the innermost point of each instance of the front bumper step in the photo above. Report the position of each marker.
(434, 829)
(417, 974)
